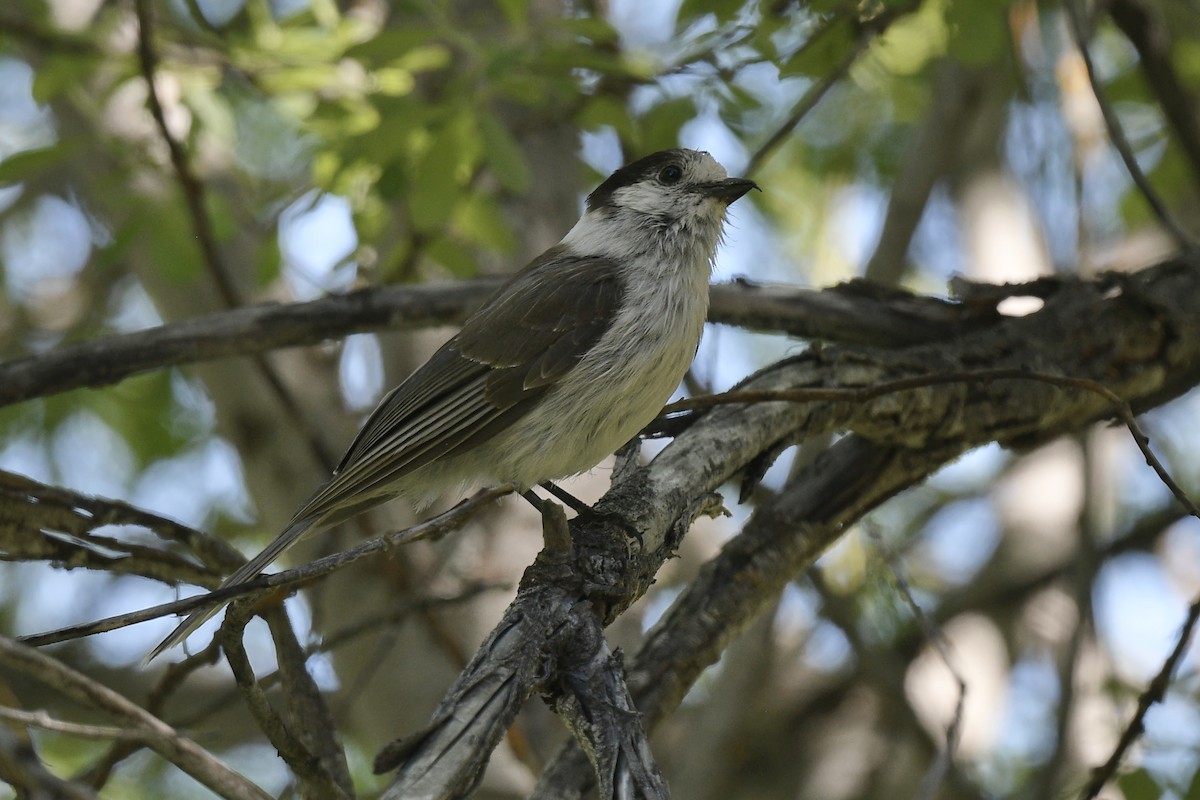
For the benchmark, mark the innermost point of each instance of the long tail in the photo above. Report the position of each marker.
(292, 534)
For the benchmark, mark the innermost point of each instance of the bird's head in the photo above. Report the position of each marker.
(673, 185)
(667, 199)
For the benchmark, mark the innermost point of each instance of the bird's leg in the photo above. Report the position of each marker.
(538, 504)
(584, 510)
(579, 507)
(570, 500)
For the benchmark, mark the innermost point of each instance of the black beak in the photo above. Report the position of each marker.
(729, 189)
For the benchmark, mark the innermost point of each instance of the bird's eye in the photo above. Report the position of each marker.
(671, 174)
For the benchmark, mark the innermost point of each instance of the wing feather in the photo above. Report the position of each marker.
(530, 334)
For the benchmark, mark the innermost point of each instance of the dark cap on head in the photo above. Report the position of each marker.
(630, 174)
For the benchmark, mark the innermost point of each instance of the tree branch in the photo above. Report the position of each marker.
(1116, 134)
(1155, 692)
(284, 581)
(31, 512)
(549, 640)
(1118, 340)
(179, 750)
(1149, 35)
(854, 312)
(308, 767)
(194, 198)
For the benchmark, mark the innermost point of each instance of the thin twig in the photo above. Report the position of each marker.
(871, 30)
(1157, 689)
(431, 529)
(1154, 693)
(864, 393)
(41, 719)
(160, 737)
(194, 198)
(305, 765)
(804, 105)
(933, 634)
(94, 512)
(193, 190)
(1116, 133)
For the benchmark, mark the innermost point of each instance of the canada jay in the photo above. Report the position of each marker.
(566, 362)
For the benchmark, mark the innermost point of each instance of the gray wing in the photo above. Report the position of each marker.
(508, 354)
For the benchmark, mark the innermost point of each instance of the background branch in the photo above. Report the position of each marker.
(1116, 134)
(854, 312)
(179, 750)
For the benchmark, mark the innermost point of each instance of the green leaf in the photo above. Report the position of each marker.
(1138, 785)
(22, 165)
(385, 46)
(979, 32)
(479, 221)
(393, 182)
(606, 110)
(596, 30)
(400, 119)
(820, 54)
(914, 40)
(62, 74)
(724, 10)
(269, 261)
(435, 189)
(453, 256)
(516, 12)
(1193, 790)
(504, 155)
(425, 58)
(139, 410)
(660, 125)
(221, 215)
(172, 240)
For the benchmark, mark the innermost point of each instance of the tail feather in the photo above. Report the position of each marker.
(292, 534)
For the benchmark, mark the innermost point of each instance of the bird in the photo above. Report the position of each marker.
(568, 360)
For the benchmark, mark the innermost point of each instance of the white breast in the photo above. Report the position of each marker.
(627, 377)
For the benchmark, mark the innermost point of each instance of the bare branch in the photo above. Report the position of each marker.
(447, 758)
(1116, 133)
(431, 530)
(43, 720)
(914, 433)
(867, 393)
(160, 737)
(1148, 33)
(305, 764)
(21, 769)
(600, 712)
(1154, 693)
(550, 641)
(853, 312)
(307, 712)
(194, 198)
(28, 506)
(238, 332)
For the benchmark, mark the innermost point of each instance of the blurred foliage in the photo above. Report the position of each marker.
(421, 116)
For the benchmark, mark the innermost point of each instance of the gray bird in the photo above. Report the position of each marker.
(566, 362)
